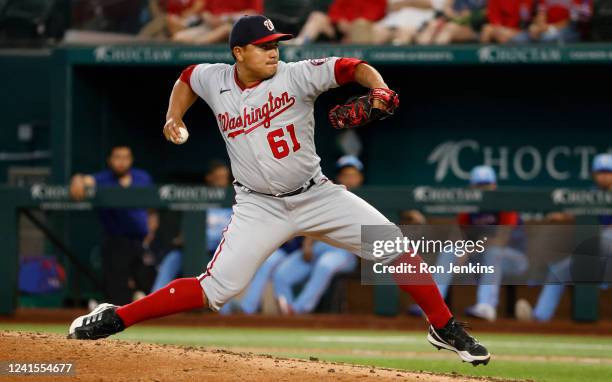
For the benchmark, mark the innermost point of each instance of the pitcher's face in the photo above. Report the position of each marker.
(260, 60)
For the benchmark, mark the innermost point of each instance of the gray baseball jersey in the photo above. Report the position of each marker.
(268, 129)
(269, 134)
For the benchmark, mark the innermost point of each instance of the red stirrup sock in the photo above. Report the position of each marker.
(179, 295)
(423, 290)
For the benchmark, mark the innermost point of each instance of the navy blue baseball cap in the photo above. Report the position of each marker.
(255, 29)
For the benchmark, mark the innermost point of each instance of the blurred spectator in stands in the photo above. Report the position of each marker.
(559, 273)
(156, 21)
(290, 16)
(128, 231)
(349, 172)
(120, 16)
(459, 21)
(216, 21)
(168, 17)
(217, 175)
(317, 262)
(183, 14)
(506, 19)
(505, 249)
(557, 21)
(412, 217)
(404, 19)
(347, 21)
(602, 176)
(155, 15)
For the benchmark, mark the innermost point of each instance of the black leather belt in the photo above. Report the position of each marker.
(304, 188)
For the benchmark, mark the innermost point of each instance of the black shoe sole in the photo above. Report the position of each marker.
(439, 346)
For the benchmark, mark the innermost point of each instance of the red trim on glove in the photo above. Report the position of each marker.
(344, 69)
(186, 75)
(388, 96)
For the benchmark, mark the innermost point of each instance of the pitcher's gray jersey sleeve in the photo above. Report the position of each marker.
(312, 77)
(204, 80)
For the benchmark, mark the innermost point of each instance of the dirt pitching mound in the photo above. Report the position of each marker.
(112, 360)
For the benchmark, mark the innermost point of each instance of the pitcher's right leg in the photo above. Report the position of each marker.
(258, 227)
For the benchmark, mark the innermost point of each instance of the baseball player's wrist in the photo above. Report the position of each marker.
(173, 118)
(173, 122)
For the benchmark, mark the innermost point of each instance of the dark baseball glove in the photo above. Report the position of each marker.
(378, 104)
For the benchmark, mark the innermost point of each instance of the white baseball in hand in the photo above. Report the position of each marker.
(184, 134)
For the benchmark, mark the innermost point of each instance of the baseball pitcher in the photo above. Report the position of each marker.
(264, 111)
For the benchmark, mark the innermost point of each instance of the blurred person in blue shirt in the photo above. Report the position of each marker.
(127, 231)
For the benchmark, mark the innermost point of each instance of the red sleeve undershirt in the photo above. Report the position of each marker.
(186, 75)
(344, 69)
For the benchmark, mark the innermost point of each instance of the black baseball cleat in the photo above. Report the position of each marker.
(100, 323)
(453, 337)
